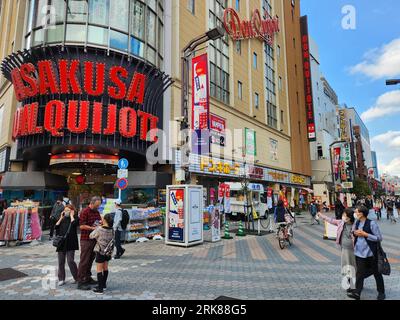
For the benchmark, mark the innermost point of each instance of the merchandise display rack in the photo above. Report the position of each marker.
(144, 223)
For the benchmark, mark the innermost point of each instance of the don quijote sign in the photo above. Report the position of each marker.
(256, 27)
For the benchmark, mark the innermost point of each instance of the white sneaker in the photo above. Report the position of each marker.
(61, 283)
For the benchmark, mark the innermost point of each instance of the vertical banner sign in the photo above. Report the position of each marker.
(200, 105)
(336, 161)
(227, 199)
(307, 80)
(250, 140)
(217, 130)
(176, 215)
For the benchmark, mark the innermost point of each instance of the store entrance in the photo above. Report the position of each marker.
(87, 181)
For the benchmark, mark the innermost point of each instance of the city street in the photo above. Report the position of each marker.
(249, 268)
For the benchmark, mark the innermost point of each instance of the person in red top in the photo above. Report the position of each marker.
(89, 219)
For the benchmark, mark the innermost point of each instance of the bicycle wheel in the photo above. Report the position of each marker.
(265, 221)
(281, 239)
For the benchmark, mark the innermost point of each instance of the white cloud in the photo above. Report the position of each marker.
(381, 62)
(393, 168)
(386, 104)
(387, 147)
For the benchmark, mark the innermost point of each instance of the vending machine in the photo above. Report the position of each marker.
(184, 215)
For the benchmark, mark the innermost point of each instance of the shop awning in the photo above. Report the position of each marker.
(149, 179)
(33, 181)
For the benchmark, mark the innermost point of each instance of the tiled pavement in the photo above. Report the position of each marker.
(246, 268)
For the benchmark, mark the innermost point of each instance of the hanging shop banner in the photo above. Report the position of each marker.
(343, 125)
(176, 215)
(217, 130)
(346, 152)
(336, 162)
(227, 198)
(256, 27)
(307, 80)
(250, 141)
(200, 105)
(215, 224)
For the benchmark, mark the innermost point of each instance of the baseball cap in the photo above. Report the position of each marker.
(118, 202)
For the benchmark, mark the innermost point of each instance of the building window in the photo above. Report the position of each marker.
(295, 69)
(320, 153)
(272, 117)
(280, 83)
(238, 5)
(255, 60)
(294, 43)
(297, 97)
(192, 6)
(219, 54)
(239, 47)
(240, 90)
(278, 51)
(256, 100)
(282, 117)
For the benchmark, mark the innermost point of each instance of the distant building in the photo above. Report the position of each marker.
(375, 164)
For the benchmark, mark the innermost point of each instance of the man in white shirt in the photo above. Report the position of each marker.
(118, 229)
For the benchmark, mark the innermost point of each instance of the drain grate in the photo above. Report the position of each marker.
(10, 274)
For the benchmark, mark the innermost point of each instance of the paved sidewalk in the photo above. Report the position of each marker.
(245, 268)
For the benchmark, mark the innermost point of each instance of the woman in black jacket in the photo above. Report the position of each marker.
(68, 223)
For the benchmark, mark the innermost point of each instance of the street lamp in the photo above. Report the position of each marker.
(187, 52)
(392, 82)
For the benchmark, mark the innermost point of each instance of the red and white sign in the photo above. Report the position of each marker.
(307, 80)
(256, 27)
(84, 158)
(217, 130)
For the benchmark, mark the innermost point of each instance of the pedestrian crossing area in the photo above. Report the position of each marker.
(308, 247)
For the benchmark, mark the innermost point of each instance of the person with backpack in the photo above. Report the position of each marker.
(104, 236)
(55, 215)
(121, 220)
(367, 237)
(313, 211)
(390, 210)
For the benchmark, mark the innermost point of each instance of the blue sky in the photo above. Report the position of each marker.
(357, 63)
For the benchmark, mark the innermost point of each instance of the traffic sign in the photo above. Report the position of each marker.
(122, 173)
(123, 164)
(122, 184)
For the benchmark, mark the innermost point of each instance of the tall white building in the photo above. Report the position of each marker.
(325, 108)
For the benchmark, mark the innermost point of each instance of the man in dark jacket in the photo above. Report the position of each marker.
(55, 215)
(339, 209)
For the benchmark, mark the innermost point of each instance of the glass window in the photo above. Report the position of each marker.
(255, 60)
(77, 11)
(152, 4)
(240, 90)
(119, 12)
(151, 28)
(55, 34)
(137, 47)
(160, 38)
(59, 6)
(75, 33)
(256, 100)
(41, 10)
(151, 55)
(99, 11)
(98, 35)
(192, 6)
(137, 19)
(118, 40)
(38, 37)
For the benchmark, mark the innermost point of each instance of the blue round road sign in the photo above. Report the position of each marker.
(123, 164)
(122, 183)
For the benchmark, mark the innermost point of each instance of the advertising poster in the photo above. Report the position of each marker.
(200, 105)
(227, 199)
(217, 130)
(196, 216)
(215, 224)
(330, 231)
(176, 215)
(336, 161)
(273, 149)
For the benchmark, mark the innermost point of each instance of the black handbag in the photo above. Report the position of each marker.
(59, 241)
(383, 262)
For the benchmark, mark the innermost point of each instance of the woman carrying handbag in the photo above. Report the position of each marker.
(66, 241)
